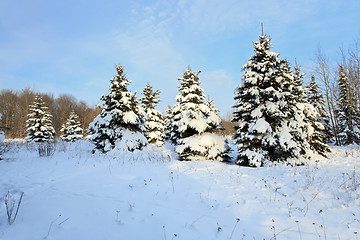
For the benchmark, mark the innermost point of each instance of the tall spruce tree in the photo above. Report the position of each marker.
(154, 121)
(271, 126)
(347, 112)
(71, 130)
(196, 120)
(120, 125)
(39, 125)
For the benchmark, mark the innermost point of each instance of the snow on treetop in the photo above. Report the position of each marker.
(119, 69)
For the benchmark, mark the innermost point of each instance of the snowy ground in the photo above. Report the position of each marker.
(76, 195)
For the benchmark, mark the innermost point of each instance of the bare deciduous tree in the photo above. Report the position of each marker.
(14, 106)
(323, 72)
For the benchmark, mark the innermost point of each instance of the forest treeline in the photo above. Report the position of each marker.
(14, 107)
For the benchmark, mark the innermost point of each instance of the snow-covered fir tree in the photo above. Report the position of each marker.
(315, 97)
(71, 129)
(196, 120)
(298, 81)
(154, 121)
(39, 125)
(302, 115)
(120, 125)
(271, 120)
(173, 117)
(170, 132)
(312, 127)
(347, 111)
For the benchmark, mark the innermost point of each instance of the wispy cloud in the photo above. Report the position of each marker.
(72, 46)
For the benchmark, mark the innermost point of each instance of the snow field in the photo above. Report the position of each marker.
(149, 195)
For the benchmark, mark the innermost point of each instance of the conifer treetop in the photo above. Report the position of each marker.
(315, 97)
(151, 97)
(119, 81)
(189, 89)
(343, 83)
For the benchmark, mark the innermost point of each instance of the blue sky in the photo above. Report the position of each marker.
(71, 47)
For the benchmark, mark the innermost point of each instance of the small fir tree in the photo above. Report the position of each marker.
(309, 114)
(321, 122)
(71, 130)
(39, 125)
(170, 131)
(154, 121)
(120, 125)
(347, 111)
(172, 124)
(270, 118)
(315, 98)
(196, 121)
(301, 115)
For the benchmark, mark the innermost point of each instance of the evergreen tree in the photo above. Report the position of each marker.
(170, 131)
(270, 118)
(172, 124)
(154, 122)
(312, 126)
(196, 120)
(315, 98)
(71, 130)
(120, 125)
(298, 82)
(39, 126)
(301, 114)
(347, 112)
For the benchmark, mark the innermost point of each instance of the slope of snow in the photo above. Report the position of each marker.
(149, 195)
